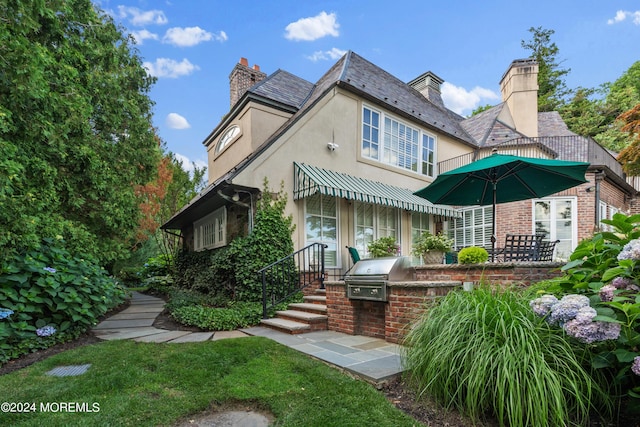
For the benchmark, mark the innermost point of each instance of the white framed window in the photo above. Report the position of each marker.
(393, 142)
(321, 225)
(211, 231)
(602, 214)
(474, 228)
(420, 222)
(557, 219)
(373, 222)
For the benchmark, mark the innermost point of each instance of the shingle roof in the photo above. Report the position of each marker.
(283, 87)
(551, 124)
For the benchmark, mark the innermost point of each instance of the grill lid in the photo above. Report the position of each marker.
(389, 268)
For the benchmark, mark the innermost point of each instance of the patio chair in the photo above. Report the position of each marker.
(355, 257)
(544, 252)
(520, 247)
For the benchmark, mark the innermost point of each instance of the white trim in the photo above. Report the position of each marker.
(210, 231)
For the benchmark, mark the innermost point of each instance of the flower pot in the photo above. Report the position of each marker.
(433, 257)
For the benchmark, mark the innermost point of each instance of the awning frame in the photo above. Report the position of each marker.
(309, 180)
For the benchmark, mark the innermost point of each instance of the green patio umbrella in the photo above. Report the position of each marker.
(502, 178)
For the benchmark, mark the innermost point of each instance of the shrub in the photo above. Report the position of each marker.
(384, 246)
(485, 352)
(215, 314)
(473, 255)
(47, 286)
(432, 242)
(606, 270)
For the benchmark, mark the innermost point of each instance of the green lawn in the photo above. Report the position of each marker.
(141, 384)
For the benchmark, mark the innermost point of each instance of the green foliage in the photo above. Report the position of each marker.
(383, 247)
(610, 260)
(481, 109)
(473, 255)
(48, 286)
(551, 86)
(215, 313)
(76, 132)
(485, 352)
(596, 112)
(429, 242)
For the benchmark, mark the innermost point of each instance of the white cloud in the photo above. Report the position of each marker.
(187, 164)
(142, 17)
(190, 36)
(143, 35)
(333, 54)
(165, 67)
(313, 28)
(622, 15)
(460, 100)
(176, 121)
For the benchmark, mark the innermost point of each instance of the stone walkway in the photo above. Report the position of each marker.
(372, 359)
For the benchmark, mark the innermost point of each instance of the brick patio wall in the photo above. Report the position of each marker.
(407, 301)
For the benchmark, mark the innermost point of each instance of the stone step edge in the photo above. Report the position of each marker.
(303, 316)
(309, 307)
(286, 325)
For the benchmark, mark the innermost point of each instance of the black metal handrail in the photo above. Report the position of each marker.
(291, 274)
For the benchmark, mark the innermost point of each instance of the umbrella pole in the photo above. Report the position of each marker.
(493, 226)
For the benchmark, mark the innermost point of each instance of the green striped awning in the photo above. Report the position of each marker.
(309, 180)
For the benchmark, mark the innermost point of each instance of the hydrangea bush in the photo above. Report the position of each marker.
(48, 295)
(601, 302)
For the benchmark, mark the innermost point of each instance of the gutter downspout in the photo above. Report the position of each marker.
(598, 176)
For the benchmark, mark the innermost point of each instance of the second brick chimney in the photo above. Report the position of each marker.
(242, 78)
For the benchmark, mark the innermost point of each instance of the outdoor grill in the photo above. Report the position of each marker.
(368, 278)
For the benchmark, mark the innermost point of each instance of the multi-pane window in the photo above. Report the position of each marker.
(556, 219)
(419, 224)
(210, 232)
(321, 222)
(474, 228)
(373, 222)
(395, 143)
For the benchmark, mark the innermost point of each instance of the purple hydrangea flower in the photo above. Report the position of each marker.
(590, 332)
(630, 251)
(606, 292)
(50, 269)
(5, 313)
(46, 331)
(622, 282)
(635, 368)
(585, 314)
(566, 309)
(542, 306)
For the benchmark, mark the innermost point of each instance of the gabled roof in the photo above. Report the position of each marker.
(486, 128)
(283, 87)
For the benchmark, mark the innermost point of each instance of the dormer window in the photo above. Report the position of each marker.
(227, 138)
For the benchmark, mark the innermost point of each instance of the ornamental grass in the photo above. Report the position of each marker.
(486, 354)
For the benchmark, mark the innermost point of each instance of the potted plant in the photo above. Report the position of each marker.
(384, 246)
(432, 247)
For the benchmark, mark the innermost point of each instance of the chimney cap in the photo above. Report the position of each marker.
(243, 61)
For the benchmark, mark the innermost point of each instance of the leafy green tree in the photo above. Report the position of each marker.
(75, 127)
(595, 112)
(480, 109)
(551, 86)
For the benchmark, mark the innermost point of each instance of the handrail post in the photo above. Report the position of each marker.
(264, 295)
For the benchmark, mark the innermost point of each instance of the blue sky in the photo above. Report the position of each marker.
(192, 46)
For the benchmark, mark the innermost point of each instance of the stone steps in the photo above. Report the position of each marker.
(311, 315)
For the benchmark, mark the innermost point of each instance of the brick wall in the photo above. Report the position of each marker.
(407, 301)
(520, 273)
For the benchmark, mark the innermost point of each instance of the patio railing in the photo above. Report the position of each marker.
(573, 148)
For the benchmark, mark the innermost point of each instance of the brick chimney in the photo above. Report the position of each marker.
(519, 87)
(242, 78)
(428, 84)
